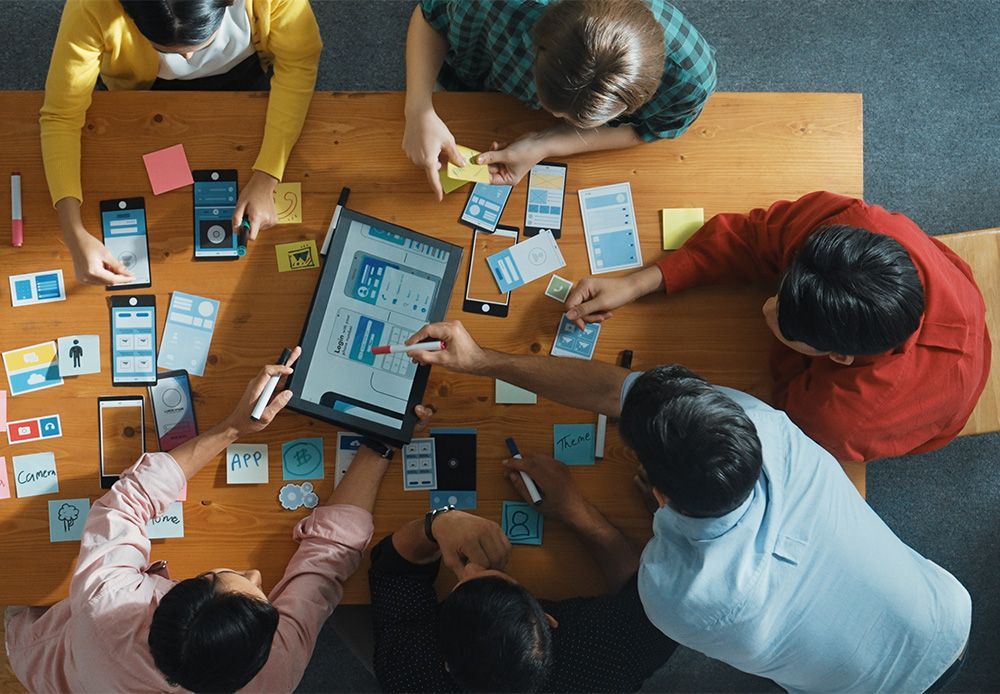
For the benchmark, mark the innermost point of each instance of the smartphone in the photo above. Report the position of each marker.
(133, 340)
(122, 440)
(173, 409)
(481, 293)
(485, 205)
(546, 195)
(123, 225)
(215, 192)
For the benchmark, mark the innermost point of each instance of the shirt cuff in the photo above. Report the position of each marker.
(160, 477)
(627, 386)
(386, 559)
(678, 271)
(343, 524)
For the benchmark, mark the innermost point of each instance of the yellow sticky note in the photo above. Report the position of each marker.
(679, 223)
(473, 172)
(288, 203)
(449, 184)
(300, 255)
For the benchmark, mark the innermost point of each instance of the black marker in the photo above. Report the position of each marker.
(341, 202)
(269, 387)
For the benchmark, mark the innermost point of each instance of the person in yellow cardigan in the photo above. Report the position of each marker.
(216, 45)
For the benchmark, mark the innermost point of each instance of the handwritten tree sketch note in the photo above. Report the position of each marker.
(67, 518)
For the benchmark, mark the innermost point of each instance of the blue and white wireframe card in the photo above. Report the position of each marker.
(572, 342)
(485, 206)
(187, 334)
(526, 261)
(609, 228)
(37, 288)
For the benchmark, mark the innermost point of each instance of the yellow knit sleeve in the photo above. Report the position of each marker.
(295, 43)
(76, 62)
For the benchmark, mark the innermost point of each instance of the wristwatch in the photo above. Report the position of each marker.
(380, 448)
(429, 520)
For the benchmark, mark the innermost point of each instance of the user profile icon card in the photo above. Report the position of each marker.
(521, 523)
(302, 459)
(79, 355)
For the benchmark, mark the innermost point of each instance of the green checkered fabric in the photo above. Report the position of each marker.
(490, 49)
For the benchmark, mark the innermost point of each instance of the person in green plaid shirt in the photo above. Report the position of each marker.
(616, 72)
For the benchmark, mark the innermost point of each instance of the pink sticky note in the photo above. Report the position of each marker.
(4, 484)
(3, 410)
(168, 169)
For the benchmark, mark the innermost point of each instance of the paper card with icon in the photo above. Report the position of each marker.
(575, 343)
(288, 203)
(67, 518)
(79, 355)
(32, 368)
(300, 255)
(521, 523)
(302, 459)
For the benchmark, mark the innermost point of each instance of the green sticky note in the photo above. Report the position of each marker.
(509, 394)
(679, 223)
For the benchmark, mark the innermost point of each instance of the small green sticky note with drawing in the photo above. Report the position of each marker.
(558, 288)
(509, 394)
(679, 224)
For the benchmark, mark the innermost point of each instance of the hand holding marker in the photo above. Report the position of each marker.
(529, 483)
(272, 383)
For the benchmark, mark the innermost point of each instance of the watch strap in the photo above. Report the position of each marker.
(429, 521)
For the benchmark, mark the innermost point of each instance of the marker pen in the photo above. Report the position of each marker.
(16, 224)
(536, 498)
(341, 201)
(272, 383)
(602, 420)
(433, 346)
(241, 248)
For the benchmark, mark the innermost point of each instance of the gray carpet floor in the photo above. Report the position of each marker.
(930, 75)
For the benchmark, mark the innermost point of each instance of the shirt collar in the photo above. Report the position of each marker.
(667, 519)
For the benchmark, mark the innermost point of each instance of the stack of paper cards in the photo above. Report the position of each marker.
(37, 288)
(525, 261)
(67, 518)
(35, 474)
(32, 368)
(288, 203)
(299, 255)
(246, 463)
(347, 448)
(471, 172)
(679, 224)
(302, 459)
(187, 334)
(168, 524)
(521, 523)
(79, 354)
(573, 444)
(509, 394)
(167, 169)
(609, 228)
(572, 342)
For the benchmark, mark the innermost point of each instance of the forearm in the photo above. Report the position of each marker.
(196, 453)
(615, 554)
(563, 140)
(412, 544)
(425, 51)
(360, 485)
(70, 220)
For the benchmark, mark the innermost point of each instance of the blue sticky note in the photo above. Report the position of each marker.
(168, 524)
(521, 523)
(573, 444)
(67, 518)
(302, 459)
(35, 474)
(187, 333)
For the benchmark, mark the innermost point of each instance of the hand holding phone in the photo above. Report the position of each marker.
(215, 195)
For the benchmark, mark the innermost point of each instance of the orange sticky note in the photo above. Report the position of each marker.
(167, 169)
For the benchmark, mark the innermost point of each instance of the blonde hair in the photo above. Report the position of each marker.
(596, 60)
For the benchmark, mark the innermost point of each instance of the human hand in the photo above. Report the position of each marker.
(509, 164)
(93, 263)
(592, 299)
(462, 353)
(425, 137)
(561, 497)
(239, 421)
(464, 538)
(256, 202)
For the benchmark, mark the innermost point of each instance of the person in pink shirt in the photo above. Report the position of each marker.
(126, 626)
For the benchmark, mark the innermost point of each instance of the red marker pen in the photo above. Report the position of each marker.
(16, 225)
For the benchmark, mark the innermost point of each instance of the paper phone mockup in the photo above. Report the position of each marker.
(485, 206)
(215, 193)
(546, 198)
(123, 226)
(481, 293)
(173, 409)
(122, 440)
(133, 340)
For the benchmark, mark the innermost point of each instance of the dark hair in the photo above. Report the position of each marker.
(494, 637)
(596, 60)
(176, 22)
(697, 446)
(206, 641)
(850, 291)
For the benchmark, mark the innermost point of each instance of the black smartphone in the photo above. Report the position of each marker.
(173, 409)
(546, 198)
(482, 296)
(215, 193)
(122, 440)
(133, 340)
(123, 226)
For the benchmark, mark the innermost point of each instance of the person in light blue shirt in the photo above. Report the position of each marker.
(764, 555)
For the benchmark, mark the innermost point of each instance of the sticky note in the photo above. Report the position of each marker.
(521, 523)
(35, 474)
(187, 333)
(449, 184)
(473, 172)
(288, 203)
(4, 480)
(32, 368)
(302, 459)
(79, 355)
(3, 410)
(573, 444)
(300, 255)
(37, 288)
(347, 448)
(572, 342)
(168, 524)
(167, 169)
(678, 224)
(558, 288)
(67, 518)
(246, 463)
(509, 394)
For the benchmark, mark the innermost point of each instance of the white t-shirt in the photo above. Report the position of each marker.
(230, 47)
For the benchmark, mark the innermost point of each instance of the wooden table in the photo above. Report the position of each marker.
(746, 150)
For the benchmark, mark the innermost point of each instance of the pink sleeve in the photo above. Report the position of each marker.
(331, 543)
(114, 549)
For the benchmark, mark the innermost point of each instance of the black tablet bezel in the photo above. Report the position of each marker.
(107, 481)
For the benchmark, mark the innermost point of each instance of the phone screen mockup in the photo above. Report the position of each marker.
(482, 296)
(133, 340)
(546, 197)
(215, 194)
(485, 206)
(122, 438)
(123, 225)
(173, 409)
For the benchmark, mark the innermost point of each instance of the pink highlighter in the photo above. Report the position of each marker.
(16, 225)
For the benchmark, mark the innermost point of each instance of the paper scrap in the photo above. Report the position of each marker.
(525, 261)
(4, 480)
(35, 474)
(300, 255)
(32, 368)
(288, 203)
(67, 518)
(37, 288)
(3, 410)
(187, 333)
(521, 523)
(295, 496)
(302, 459)
(558, 288)
(572, 342)
(168, 524)
(79, 355)
(472, 172)
(573, 444)
(167, 169)
(679, 224)
(347, 448)
(609, 228)
(246, 463)
(509, 394)
(34, 429)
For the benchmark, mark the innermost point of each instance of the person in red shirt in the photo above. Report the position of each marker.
(882, 347)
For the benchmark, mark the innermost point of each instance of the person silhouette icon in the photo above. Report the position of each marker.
(518, 525)
(76, 353)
